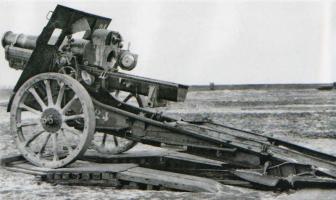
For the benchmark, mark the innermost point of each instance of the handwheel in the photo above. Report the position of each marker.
(109, 144)
(43, 120)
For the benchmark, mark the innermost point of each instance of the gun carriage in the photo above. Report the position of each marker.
(69, 97)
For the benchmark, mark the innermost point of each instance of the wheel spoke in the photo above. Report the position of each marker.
(72, 130)
(44, 145)
(48, 91)
(128, 97)
(68, 146)
(104, 139)
(37, 98)
(54, 136)
(60, 95)
(28, 123)
(65, 136)
(115, 139)
(72, 117)
(68, 105)
(24, 106)
(33, 137)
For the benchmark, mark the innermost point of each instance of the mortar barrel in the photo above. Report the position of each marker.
(19, 40)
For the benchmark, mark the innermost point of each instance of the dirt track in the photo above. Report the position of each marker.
(305, 116)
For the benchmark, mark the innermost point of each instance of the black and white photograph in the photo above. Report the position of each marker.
(168, 99)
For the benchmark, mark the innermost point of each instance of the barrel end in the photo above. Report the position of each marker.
(3, 38)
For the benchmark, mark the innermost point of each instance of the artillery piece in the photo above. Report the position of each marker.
(69, 92)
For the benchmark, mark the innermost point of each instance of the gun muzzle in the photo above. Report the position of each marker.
(18, 48)
(19, 40)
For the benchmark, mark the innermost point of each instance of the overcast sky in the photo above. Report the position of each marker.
(197, 42)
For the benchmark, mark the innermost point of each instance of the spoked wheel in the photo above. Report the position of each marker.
(44, 120)
(110, 144)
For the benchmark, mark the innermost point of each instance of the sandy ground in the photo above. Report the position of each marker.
(304, 116)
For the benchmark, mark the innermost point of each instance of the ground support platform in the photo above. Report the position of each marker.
(123, 171)
(159, 169)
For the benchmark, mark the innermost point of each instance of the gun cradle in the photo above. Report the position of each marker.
(96, 62)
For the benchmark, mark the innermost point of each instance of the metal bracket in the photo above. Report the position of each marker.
(48, 16)
(153, 100)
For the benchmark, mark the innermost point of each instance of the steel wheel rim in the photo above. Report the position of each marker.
(52, 120)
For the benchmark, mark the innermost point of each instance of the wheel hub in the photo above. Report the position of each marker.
(51, 120)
